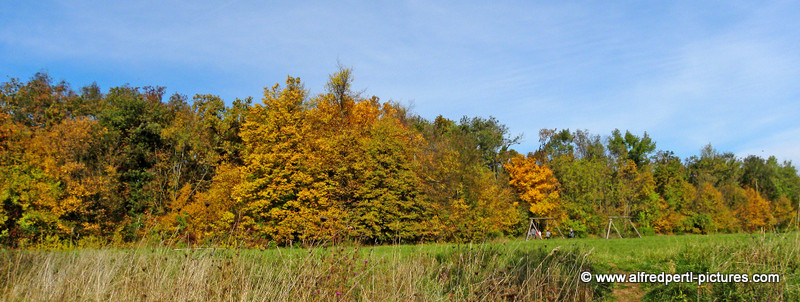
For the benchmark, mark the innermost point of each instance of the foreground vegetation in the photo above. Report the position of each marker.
(543, 270)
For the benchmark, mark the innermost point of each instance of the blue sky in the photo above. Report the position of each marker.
(689, 73)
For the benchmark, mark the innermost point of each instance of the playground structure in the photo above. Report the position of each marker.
(624, 218)
(535, 227)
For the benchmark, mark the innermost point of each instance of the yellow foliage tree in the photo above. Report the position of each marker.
(284, 197)
(211, 213)
(709, 200)
(534, 183)
(783, 211)
(69, 185)
(755, 213)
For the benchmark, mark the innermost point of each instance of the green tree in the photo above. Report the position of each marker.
(631, 147)
(38, 103)
(713, 167)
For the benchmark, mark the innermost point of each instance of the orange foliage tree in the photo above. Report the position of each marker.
(534, 183)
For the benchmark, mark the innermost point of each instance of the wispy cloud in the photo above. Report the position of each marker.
(688, 73)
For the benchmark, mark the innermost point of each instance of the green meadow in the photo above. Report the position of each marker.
(511, 270)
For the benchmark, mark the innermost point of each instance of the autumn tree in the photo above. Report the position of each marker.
(284, 199)
(366, 150)
(756, 213)
(674, 190)
(711, 214)
(471, 200)
(126, 163)
(68, 153)
(17, 178)
(535, 184)
(199, 139)
(388, 204)
(55, 183)
(37, 103)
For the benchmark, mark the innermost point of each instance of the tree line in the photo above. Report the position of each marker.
(129, 163)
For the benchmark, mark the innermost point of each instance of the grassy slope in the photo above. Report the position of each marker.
(514, 270)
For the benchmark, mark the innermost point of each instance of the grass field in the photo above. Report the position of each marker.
(541, 270)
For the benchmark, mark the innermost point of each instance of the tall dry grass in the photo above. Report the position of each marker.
(512, 271)
(452, 273)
